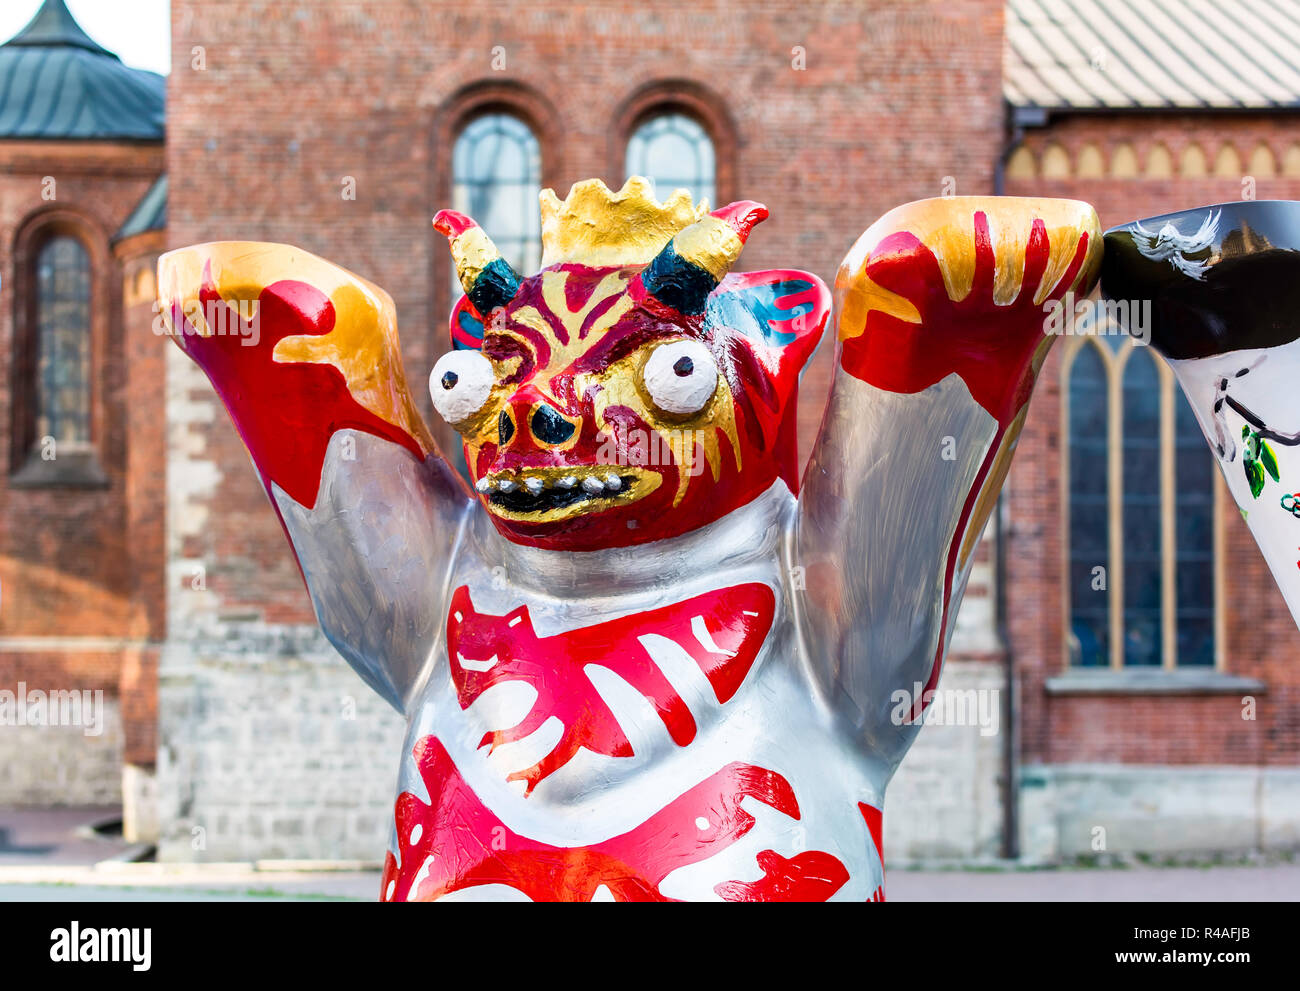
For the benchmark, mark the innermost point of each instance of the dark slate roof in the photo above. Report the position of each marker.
(150, 214)
(56, 82)
(1181, 54)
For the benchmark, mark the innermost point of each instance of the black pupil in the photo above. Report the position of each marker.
(683, 366)
(449, 380)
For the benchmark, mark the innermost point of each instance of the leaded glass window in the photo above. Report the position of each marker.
(63, 343)
(1089, 509)
(1141, 510)
(1194, 532)
(1140, 523)
(674, 151)
(496, 180)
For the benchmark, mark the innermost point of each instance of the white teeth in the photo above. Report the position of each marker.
(613, 482)
(567, 482)
(533, 485)
(506, 485)
(593, 485)
(484, 484)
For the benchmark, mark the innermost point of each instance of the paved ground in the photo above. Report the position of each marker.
(60, 836)
(54, 855)
(1265, 883)
(149, 882)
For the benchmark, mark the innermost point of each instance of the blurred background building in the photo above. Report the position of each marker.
(1162, 708)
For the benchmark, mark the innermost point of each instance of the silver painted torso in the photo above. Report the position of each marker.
(594, 797)
(816, 706)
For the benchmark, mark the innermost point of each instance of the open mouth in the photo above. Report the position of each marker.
(545, 495)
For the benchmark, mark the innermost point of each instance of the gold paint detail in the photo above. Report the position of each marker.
(472, 251)
(711, 244)
(622, 384)
(862, 296)
(363, 345)
(565, 445)
(481, 426)
(946, 226)
(1040, 354)
(598, 227)
(644, 482)
(992, 487)
(580, 336)
(480, 429)
(574, 321)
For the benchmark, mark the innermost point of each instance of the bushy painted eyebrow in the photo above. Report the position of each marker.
(504, 348)
(637, 329)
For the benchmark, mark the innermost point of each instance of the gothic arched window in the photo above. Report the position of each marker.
(1140, 524)
(674, 151)
(62, 338)
(1141, 510)
(1089, 518)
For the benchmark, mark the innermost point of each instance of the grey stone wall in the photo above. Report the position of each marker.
(60, 765)
(270, 748)
(944, 802)
(1086, 810)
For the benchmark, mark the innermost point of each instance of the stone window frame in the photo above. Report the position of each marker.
(82, 468)
(1114, 362)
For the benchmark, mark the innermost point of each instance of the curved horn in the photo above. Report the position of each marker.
(486, 277)
(699, 256)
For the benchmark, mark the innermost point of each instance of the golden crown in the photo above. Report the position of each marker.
(596, 226)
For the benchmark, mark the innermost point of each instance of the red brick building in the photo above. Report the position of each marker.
(343, 127)
(1185, 728)
(81, 495)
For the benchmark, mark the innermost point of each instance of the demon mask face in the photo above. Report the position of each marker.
(632, 389)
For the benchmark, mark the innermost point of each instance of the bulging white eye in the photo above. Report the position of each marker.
(460, 384)
(681, 376)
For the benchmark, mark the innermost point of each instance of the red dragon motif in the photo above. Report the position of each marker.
(721, 630)
(457, 843)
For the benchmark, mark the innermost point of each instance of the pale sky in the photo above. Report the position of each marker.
(139, 31)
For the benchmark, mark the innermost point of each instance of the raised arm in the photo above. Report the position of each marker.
(943, 308)
(305, 357)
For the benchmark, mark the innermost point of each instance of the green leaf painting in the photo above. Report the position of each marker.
(1257, 460)
(1269, 460)
(1254, 475)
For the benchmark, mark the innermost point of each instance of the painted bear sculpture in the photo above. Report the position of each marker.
(637, 660)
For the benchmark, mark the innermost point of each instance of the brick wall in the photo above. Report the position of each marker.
(1131, 167)
(260, 140)
(46, 766)
(65, 554)
(78, 605)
